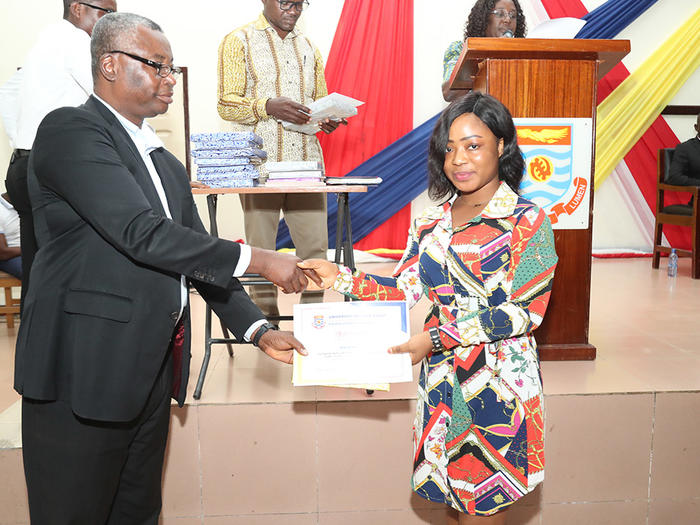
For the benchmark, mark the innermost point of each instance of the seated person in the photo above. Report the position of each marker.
(488, 18)
(685, 166)
(10, 251)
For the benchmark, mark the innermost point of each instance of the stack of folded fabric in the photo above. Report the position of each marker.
(294, 173)
(227, 159)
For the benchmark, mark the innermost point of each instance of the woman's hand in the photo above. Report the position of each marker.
(417, 346)
(324, 270)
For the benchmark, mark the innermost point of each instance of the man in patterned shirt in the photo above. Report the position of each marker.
(268, 72)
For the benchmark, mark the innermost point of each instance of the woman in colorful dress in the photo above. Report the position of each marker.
(486, 260)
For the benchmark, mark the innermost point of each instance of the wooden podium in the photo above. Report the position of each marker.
(549, 78)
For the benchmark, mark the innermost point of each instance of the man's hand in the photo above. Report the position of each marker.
(279, 268)
(283, 108)
(328, 126)
(418, 346)
(280, 346)
(320, 272)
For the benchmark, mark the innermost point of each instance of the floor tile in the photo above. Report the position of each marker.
(13, 495)
(676, 452)
(610, 513)
(675, 511)
(181, 477)
(258, 459)
(382, 517)
(365, 451)
(597, 448)
(267, 519)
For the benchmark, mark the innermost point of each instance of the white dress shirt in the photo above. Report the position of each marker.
(9, 223)
(146, 141)
(56, 73)
(9, 105)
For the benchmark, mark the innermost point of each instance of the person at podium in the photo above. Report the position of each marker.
(488, 18)
(485, 258)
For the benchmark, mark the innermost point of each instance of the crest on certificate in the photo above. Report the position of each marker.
(319, 321)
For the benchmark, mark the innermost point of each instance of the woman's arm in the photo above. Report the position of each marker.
(404, 285)
(8, 252)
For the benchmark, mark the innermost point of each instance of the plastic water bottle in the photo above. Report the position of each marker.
(673, 263)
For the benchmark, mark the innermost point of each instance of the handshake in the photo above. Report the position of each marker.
(289, 273)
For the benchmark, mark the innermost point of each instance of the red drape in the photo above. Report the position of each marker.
(642, 158)
(562, 8)
(371, 59)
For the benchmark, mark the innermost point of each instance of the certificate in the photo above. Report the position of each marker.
(347, 343)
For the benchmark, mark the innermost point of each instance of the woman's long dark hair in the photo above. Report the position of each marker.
(497, 118)
(478, 19)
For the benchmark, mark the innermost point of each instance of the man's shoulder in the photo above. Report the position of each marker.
(241, 33)
(688, 149)
(689, 144)
(69, 114)
(71, 121)
(61, 34)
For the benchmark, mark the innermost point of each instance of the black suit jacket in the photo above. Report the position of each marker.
(105, 291)
(685, 166)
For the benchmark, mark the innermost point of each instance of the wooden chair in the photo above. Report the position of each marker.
(678, 214)
(7, 282)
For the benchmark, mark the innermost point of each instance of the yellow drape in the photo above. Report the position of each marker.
(632, 107)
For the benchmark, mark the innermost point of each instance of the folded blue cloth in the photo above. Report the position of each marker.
(239, 161)
(229, 153)
(228, 180)
(218, 170)
(223, 138)
(235, 144)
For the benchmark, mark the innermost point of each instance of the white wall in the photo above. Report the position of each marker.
(196, 28)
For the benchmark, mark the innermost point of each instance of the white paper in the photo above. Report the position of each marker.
(334, 106)
(347, 343)
(565, 27)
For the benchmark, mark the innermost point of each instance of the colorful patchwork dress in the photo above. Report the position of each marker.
(479, 426)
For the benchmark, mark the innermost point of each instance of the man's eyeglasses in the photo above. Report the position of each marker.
(103, 9)
(502, 13)
(163, 70)
(286, 5)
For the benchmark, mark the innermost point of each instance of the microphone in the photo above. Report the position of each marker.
(507, 34)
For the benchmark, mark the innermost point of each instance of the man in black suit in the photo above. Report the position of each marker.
(104, 342)
(685, 166)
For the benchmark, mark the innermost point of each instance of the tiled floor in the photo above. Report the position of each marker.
(622, 442)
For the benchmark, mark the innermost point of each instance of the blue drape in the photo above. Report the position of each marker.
(403, 164)
(608, 19)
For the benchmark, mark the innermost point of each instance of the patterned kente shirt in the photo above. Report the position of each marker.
(255, 64)
(449, 60)
(479, 426)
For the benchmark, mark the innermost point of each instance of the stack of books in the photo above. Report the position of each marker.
(294, 173)
(228, 159)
